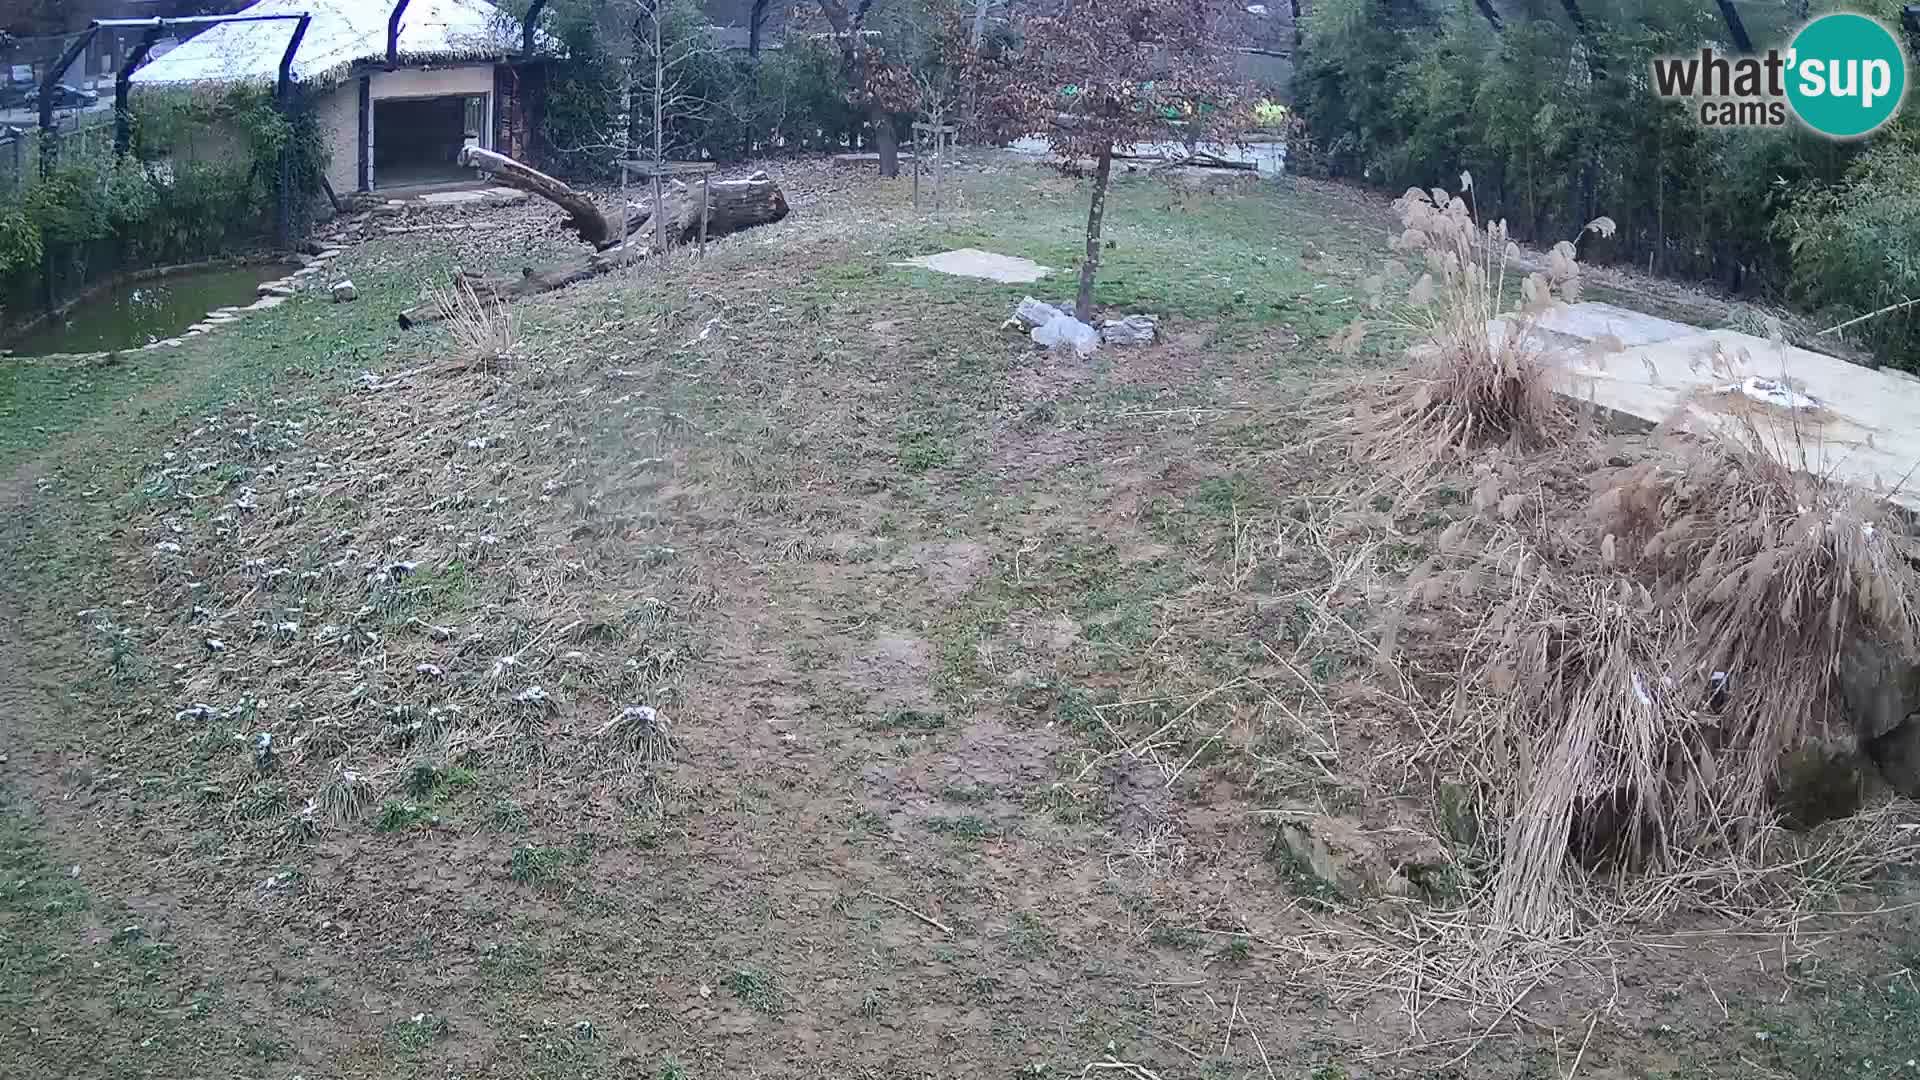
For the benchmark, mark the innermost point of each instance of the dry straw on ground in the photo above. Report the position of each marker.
(1626, 646)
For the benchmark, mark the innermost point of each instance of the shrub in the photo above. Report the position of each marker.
(1856, 249)
(1469, 387)
(166, 201)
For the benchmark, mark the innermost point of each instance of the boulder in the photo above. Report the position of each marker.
(1897, 753)
(1069, 331)
(1032, 313)
(1880, 685)
(1132, 330)
(1825, 780)
(1357, 862)
(344, 292)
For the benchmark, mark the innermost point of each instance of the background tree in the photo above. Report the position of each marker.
(1549, 108)
(874, 86)
(641, 77)
(1110, 75)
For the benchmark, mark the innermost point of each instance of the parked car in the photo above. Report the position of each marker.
(64, 97)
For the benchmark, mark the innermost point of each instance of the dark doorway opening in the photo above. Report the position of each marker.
(418, 140)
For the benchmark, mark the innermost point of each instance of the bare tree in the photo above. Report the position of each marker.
(653, 49)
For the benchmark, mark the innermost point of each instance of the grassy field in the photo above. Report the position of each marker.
(774, 668)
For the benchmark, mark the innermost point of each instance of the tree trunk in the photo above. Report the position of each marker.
(1492, 16)
(980, 22)
(756, 21)
(735, 205)
(1083, 304)
(583, 217)
(885, 141)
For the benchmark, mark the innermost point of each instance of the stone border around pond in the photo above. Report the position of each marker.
(268, 295)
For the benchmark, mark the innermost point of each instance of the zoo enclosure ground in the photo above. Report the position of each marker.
(989, 673)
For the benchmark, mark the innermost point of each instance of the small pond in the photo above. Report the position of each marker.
(134, 313)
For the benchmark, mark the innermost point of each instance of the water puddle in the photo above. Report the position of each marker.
(130, 315)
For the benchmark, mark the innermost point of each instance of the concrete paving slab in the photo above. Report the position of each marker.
(1826, 415)
(974, 263)
(492, 196)
(1591, 319)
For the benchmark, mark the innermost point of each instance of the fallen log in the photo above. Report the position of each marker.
(583, 216)
(732, 205)
(506, 289)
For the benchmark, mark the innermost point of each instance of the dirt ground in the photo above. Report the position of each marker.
(983, 683)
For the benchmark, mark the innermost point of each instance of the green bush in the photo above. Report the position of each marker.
(96, 213)
(1856, 249)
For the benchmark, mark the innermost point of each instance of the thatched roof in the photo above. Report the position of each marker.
(343, 33)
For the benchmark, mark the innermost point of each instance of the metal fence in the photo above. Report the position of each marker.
(78, 134)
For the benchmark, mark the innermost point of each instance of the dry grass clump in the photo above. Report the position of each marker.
(485, 330)
(1480, 374)
(1645, 673)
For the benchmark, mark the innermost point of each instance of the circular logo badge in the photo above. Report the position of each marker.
(1846, 75)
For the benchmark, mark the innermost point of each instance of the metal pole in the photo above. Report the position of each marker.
(49, 152)
(283, 83)
(659, 216)
(393, 34)
(283, 101)
(706, 200)
(123, 85)
(917, 157)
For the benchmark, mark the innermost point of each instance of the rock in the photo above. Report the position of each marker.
(1033, 313)
(344, 291)
(330, 253)
(311, 247)
(276, 288)
(1897, 753)
(266, 303)
(1132, 330)
(1357, 863)
(1880, 685)
(1067, 330)
(1826, 780)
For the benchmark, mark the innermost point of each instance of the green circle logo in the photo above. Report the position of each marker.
(1846, 75)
